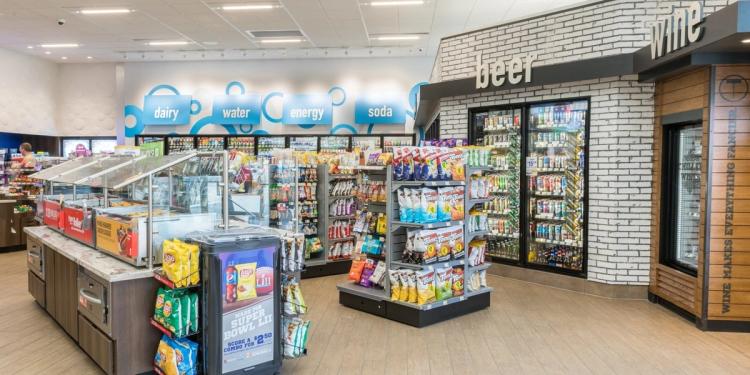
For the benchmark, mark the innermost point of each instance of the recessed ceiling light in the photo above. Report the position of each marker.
(104, 11)
(64, 57)
(60, 45)
(47, 52)
(248, 7)
(396, 3)
(272, 41)
(746, 41)
(30, 47)
(168, 43)
(396, 37)
(89, 57)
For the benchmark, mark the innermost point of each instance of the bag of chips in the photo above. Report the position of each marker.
(393, 277)
(412, 279)
(355, 272)
(456, 203)
(161, 296)
(176, 263)
(195, 271)
(425, 242)
(194, 312)
(186, 311)
(443, 244)
(425, 280)
(367, 273)
(428, 205)
(173, 315)
(458, 281)
(403, 294)
(165, 357)
(457, 242)
(246, 281)
(444, 203)
(443, 283)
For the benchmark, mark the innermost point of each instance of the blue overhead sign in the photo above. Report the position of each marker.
(166, 109)
(307, 110)
(237, 109)
(386, 111)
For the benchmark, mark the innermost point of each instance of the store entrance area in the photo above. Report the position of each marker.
(528, 329)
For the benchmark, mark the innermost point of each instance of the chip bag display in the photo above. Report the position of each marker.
(246, 281)
(457, 277)
(176, 356)
(393, 276)
(444, 244)
(443, 283)
(457, 242)
(176, 263)
(404, 290)
(161, 297)
(425, 281)
(444, 207)
(355, 272)
(412, 280)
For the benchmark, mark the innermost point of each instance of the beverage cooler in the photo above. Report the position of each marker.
(539, 154)
(211, 143)
(681, 196)
(241, 302)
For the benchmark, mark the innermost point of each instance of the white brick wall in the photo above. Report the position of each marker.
(622, 118)
(619, 166)
(608, 28)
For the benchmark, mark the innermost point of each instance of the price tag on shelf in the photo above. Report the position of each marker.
(531, 165)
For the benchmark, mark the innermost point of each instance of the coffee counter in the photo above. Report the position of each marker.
(102, 303)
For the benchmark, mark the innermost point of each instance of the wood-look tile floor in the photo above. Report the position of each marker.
(529, 329)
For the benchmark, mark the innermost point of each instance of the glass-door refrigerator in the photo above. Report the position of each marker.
(303, 143)
(241, 302)
(556, 175)
(500, 131)
(681, 196)
(241, 144)
(267, 144)
(334, 143)
(177, 144)
(211, 143)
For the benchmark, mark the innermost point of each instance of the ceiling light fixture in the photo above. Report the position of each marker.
(396, 37)
(60, 45)
(47, 52)
(30, 47)
(64, 57)
(89, 12)
(746, 41)
(396, 3)
(168, 43)
(272, 41)
(89, 57)
(248, 7)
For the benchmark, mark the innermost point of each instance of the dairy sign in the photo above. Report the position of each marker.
(166, 109)
(676, 31)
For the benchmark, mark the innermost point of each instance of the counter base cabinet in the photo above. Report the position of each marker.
(37, 289)
(49, 285)
(96, 344)
(66, 294)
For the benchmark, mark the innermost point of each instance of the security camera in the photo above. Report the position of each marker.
(61, 21)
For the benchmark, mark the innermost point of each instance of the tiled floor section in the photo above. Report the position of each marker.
(529, 329)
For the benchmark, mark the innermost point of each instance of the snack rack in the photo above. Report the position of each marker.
(378, 302)
(309, 212)
(329, 263)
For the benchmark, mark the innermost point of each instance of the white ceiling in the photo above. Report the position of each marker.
(331, 28)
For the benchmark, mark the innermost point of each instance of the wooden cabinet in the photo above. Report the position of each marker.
(49, 285)
(36, 289)
(66, 294)
(96, 344)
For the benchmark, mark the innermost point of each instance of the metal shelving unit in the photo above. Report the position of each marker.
(378, 302)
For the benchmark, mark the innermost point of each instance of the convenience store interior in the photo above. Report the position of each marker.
(362, 186)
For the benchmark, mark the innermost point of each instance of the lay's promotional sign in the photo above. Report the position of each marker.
(379, 111)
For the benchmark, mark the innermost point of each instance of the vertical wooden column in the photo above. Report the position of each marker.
(729, 256)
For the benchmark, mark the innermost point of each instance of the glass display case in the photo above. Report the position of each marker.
(681, 200)
(267, 144)
(210, 143)
(178, 144)
(500, 131)
(390, 141)
(243, 144)
(144, 200)
(555, 168)
(334, 143)
(303, 143)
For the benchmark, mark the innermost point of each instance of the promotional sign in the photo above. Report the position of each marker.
(248, 308)
(307, 110)
(77, 224)
(116, 236)
(237, 109)
(388, 111)
(166, 109)
(52, 214)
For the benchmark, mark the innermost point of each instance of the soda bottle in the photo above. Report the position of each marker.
(231, 283)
